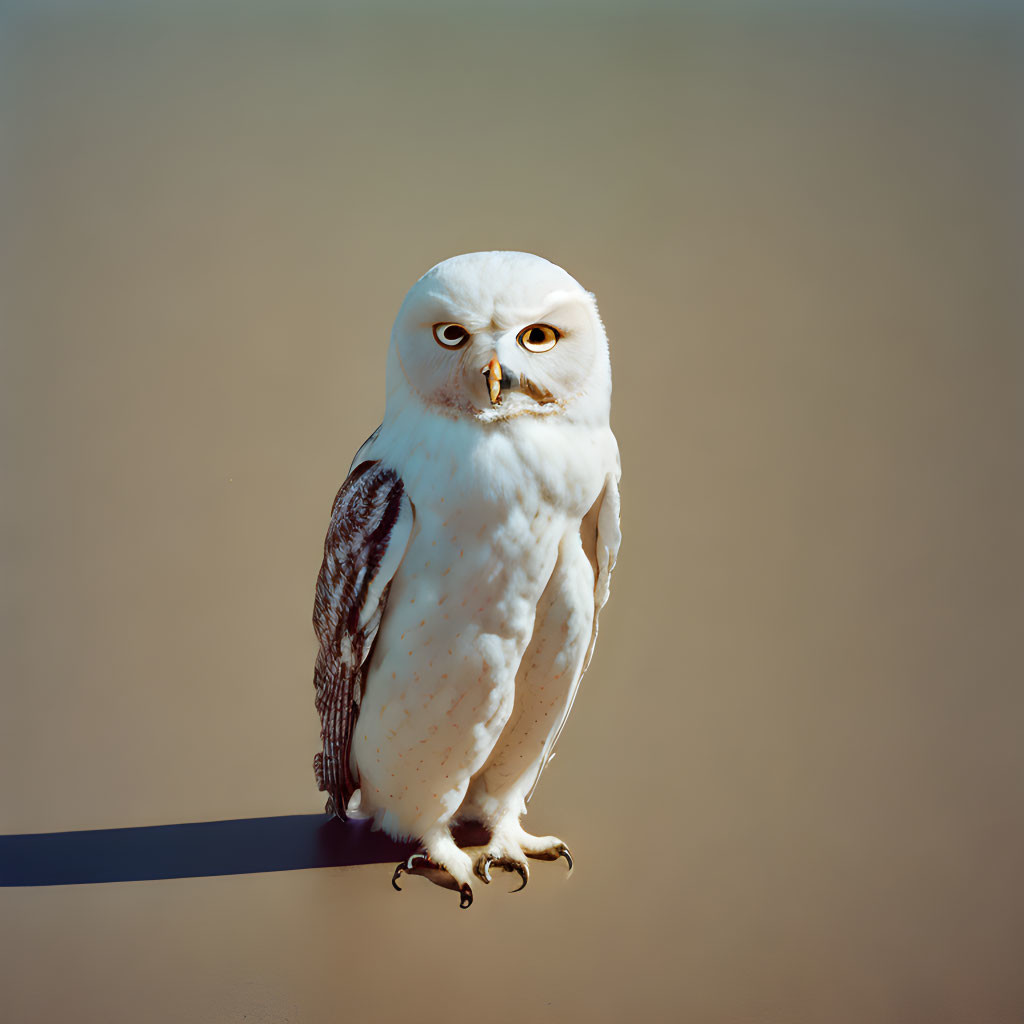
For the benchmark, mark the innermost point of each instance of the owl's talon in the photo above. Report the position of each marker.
(563, 851)
(465, 896)
(408, 866)
(485, 862)
(524, 873)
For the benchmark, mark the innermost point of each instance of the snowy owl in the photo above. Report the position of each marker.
(468, 555)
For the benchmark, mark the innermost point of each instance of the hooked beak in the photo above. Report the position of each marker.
(498, 380)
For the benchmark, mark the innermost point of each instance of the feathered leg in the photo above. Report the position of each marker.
(545, 687)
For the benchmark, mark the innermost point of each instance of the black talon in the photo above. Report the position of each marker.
(465, 896)
(524, 873)
(408, 866)
(564, 852)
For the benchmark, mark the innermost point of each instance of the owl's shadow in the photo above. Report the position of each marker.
(240, 846)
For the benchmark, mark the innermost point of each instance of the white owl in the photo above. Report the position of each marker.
(468, 556)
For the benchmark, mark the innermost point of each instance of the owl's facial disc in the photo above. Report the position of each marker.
(497, 368)
(494, 336)
(509, 365)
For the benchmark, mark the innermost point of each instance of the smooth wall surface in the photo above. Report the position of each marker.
(794, 779)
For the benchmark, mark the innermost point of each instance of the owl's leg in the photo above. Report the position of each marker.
(443, 863)
(413, 780)
(546, 684)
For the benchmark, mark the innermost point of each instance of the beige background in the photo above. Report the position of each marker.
(794, 778)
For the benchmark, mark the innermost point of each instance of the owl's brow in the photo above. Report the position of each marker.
(472, 324)
(445, 312)
(508, 317)
(505, 316)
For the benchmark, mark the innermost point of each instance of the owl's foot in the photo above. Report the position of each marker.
(442, 863)
(499, 856)
(509, 848)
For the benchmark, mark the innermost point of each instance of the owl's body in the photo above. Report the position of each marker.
(496, 511)
(497, 549)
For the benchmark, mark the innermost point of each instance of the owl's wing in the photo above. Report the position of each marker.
(601, 536)
(370, 527)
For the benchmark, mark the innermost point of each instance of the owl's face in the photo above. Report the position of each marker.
(497, 335)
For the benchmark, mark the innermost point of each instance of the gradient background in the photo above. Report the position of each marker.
(794, 781)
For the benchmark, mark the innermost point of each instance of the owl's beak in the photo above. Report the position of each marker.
(498, 380)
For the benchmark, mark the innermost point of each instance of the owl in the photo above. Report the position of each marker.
(468, 555)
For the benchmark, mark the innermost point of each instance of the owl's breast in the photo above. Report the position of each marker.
(473, 571)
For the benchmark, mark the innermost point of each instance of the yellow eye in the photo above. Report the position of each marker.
(450, 335)
(538, 338)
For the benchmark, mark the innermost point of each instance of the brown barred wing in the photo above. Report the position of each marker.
(370, 527)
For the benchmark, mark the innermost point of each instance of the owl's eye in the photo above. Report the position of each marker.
(450, 335)
(538, 338)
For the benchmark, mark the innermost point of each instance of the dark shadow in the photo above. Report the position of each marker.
(238, 847)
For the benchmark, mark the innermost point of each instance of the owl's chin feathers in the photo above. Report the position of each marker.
(515, 406)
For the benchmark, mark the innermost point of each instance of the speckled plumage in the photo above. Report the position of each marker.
(487, 595)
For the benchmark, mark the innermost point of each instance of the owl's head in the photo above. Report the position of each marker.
(498, 335)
